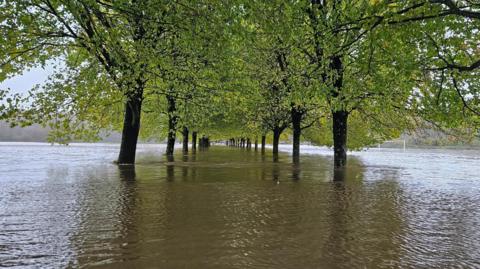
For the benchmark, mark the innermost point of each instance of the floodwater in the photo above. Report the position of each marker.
(64, 207)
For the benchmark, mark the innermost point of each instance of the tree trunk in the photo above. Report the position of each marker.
(131, 128)
(194, 141)
(249, 143)
(340, 138)
(276, 140)
(297, 131)
(172, 124)
(256, 144)
(203, 142)
(185, 139)
(339, 117)
(264, 138)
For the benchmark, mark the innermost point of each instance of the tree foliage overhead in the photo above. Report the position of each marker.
(238, 68)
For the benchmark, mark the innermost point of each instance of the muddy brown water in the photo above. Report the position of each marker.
(64, 207)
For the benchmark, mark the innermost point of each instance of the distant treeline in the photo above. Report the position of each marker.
(34, 133)
(432, 138)
(37, 133)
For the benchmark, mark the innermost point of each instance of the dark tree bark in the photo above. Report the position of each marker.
(264, 138)
(204, 142)
(131, 128)
(185, 139)
(194, 141)
(133, 104)
(340, 119)
(172, 124)
(249, 143)
(256, 144)
(297, 131)
(276, 139)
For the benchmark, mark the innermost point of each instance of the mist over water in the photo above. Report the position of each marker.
(233, 208)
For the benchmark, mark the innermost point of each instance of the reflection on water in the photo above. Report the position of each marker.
(233, 208)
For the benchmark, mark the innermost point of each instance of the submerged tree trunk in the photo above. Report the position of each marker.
(297, 131)
(131, 128)
(185, 139)
(339, 116)
(276, 139)
(194, 141)
(256, 144)
(204, 142)
(340, 119)
(264, 138)
(133, 104)
(172, 124)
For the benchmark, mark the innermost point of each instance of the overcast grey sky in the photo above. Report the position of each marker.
(23, 83)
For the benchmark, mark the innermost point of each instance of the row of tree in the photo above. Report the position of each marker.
(322, 69)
